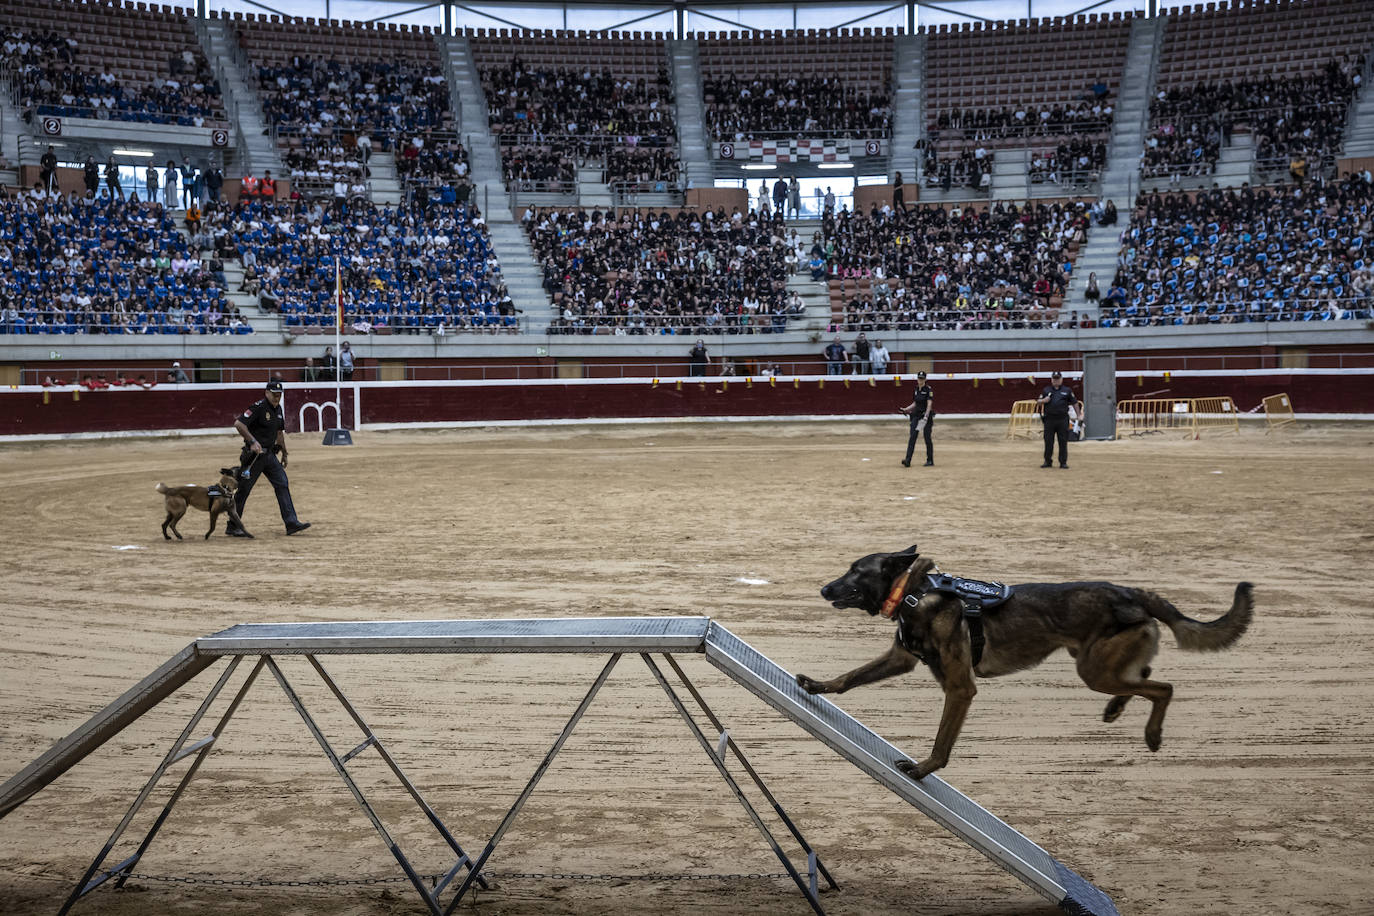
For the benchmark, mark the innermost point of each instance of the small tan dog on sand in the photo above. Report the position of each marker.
(216, 499)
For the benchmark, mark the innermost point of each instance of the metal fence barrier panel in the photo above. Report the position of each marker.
(1021, 424)
(1278, 413)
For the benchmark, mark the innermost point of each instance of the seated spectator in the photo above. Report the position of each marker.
(100, 267)
(661, 273)
(759, 107)
(1288, 253)
(51, 79)
(1294, 119)
(932, 267)
(1028, 120)
(549, 121)
(405, 268)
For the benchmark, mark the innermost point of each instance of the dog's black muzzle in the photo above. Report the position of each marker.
(842, 594)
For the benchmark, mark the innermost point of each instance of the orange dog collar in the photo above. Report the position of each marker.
(899, 587)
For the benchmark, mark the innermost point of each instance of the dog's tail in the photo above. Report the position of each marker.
(162, 488)
(1213, 635)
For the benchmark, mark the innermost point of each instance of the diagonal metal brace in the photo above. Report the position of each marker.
(705, 743)
(528, 790)
(814, 863)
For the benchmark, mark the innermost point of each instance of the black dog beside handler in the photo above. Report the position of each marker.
(263, 428)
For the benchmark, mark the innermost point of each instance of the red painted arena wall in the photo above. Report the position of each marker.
(35, 411)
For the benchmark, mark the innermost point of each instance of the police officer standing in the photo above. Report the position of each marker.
(1056, 402)
(263, 428)
(921, 410)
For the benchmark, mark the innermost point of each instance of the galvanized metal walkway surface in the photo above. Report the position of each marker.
(604, 635)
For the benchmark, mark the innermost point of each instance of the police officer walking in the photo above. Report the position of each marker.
(921, 410)
(263, 428)
(1056, 401)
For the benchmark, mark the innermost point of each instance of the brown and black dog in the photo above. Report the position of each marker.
(1112, 631)
(216, 499)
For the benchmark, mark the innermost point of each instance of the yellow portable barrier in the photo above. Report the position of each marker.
(1189, 416)
(1153, 415)
(1022, 422)
(1278, 413)
(1217, 414)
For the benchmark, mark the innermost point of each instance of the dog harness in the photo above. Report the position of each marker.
(215, 491)
(975, 596)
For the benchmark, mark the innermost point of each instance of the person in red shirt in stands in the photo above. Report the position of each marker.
(268, 185)
(248, 186)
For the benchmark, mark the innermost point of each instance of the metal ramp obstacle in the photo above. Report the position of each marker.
(612, 636)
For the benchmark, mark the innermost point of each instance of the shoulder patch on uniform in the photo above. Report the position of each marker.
(248, 413)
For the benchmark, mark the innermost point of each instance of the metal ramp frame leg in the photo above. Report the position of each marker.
(529, 788)
(805, 886)
(373, 741)
(430, 898)
(90, 881)
(815, 865)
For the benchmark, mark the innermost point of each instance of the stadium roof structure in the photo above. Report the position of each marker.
(681, 17)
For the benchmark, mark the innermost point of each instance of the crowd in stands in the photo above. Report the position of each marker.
(548, 121)
(1076, 161)
(423, 267)
(333, 98)
(798, 107)
(1297, 120)
(74, 265)
(962, 168)
(663, 273)
(51, 81)
(932, 267)
(1296, 252)
(434, 161)
(1087, 116)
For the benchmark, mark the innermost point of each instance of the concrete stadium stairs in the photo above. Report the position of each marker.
(691, 113)
(908, 108)
(1122, 176)
(241, 97)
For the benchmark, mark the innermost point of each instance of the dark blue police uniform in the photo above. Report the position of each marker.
(921, 399)
(264, 421)
(1056, 420)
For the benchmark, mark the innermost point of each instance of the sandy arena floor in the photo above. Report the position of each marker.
(1258, 802)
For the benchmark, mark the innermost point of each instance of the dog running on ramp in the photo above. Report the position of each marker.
(1112, 631)
(215, 499)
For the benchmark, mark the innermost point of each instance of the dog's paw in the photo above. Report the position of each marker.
(1154, 738)
(810, 686)
(917, 770)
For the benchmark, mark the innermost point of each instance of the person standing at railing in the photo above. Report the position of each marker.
(150, 182)
(188, 175)
(698, 359)
(794, 197)
(91, 175)
(213, 183)
(170, 197)
(47, 170)
(112, 185)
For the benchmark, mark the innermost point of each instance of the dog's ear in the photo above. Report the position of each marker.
(910, 551)
(228, 472)
(894, 564)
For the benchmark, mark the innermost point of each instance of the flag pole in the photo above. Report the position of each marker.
(338, 332)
